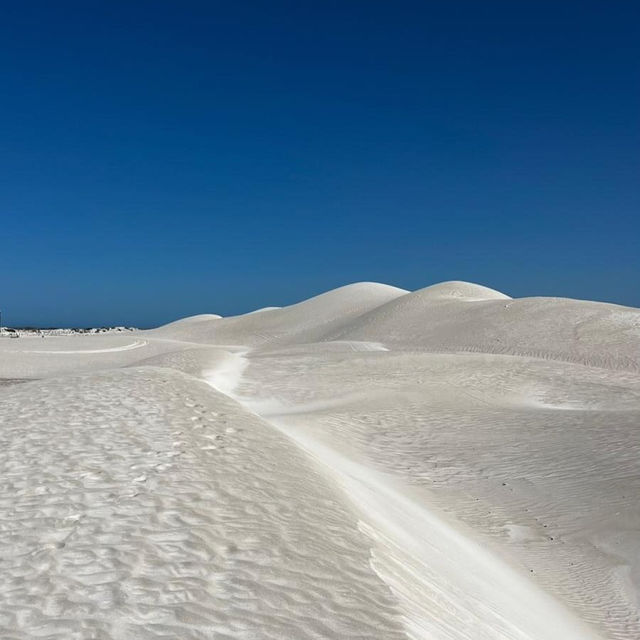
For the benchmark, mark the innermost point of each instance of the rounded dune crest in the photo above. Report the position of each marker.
(201, 317)
(261, 310)
(459, 316)
(357, 291)
(304, 321)
(461, 290)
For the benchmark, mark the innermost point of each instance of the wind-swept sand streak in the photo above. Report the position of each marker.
(448, 585)
(126, 347)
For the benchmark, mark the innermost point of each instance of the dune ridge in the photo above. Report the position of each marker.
(305, 321)
(433, 319)
(448, 464)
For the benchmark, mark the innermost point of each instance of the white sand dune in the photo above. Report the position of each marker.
(370, 463)
(263, 309)
(201, 317)
(462, 317)
(306, 321)
(485, 443)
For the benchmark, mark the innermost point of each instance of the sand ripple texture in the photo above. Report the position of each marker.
(539, 460)
(139, 503)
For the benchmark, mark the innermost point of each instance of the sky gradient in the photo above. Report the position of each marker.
(161, 159)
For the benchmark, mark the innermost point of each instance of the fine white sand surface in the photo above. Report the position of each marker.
(442, 464)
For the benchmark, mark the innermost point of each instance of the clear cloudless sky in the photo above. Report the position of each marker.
(160, 159)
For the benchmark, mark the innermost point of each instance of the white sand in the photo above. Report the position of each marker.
(136, 344)
(370, 463)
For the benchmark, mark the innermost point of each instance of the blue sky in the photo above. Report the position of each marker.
(160, 159)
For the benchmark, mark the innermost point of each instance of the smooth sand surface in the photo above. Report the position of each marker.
(370, 463)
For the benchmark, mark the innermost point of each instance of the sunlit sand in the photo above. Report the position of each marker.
(442, 464)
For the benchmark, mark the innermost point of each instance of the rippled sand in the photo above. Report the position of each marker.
(371, 463)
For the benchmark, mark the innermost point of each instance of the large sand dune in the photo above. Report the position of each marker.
(447, 464)
(303, 322)
(450, 317)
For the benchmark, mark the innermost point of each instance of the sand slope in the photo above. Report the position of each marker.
(140, 503)
(471, 318)
(536, 461)
(446, 464)
(303, 322)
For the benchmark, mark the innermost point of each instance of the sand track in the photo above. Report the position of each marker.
(126, 347)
